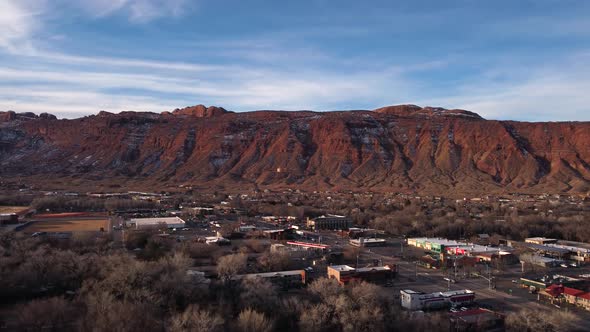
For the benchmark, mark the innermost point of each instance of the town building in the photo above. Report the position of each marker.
(435, 245)
(330, 221)
(246, 228)
(345, 274)
(278, 234)
(308, 246)
(368, 242)
(549, 250)
(169, 222)
(413, 300)
(479, 319)
(541, 261)
(218, 240)
(540, 240)
(445, 248)
(282, 279)
(576, 253)
(570, 295)
(577, 297)
(8, 218)
(278, 219)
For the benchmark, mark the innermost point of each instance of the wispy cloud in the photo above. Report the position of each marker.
(237, 88)
(278, 69)
(548, 92)
(18, 22)
(140, 11)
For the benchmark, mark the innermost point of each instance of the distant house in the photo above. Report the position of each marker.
(169, 222)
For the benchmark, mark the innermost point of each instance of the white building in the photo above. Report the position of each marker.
(368, 242)
(413, 300)
(216, 240)
(170, 222)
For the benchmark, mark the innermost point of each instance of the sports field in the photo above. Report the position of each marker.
(63, 225)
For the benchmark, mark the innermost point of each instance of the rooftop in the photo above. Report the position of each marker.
(341, 268)
(475, 315)
(149, 221)
(441, 241)
(545, 247)
(440, 294)
(539, 238)
(373, 268)
(271, 274)
(368, 240)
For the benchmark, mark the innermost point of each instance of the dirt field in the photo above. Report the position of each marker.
(12, 209)
(90, 225)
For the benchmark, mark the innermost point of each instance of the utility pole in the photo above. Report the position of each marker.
(455, 266)
(489, 277)
(401, 245)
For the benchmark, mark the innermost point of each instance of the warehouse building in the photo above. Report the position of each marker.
(549, 250)
(169, 222)
(345, 274)
(540, 240)
(282, 279)
(330, 221)
(413, 300)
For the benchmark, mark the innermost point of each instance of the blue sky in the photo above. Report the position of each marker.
(521, 60)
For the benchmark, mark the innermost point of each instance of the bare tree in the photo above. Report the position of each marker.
(195, 319)
(105, 313)
(259, 294)
(326, 289)
(275, 261)
(550, 321)
(318, 317)
(230, 265)
(52, 314)
(253, 321)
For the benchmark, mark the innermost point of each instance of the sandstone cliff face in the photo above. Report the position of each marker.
(400, 148)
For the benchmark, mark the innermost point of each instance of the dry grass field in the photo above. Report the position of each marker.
(74, 225)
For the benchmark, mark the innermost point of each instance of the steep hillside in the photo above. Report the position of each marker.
(396, 148)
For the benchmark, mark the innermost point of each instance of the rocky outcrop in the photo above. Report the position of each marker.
(200, 111)
(399, 148)
(12, 116)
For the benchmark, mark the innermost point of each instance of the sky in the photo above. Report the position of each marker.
(504, 59)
